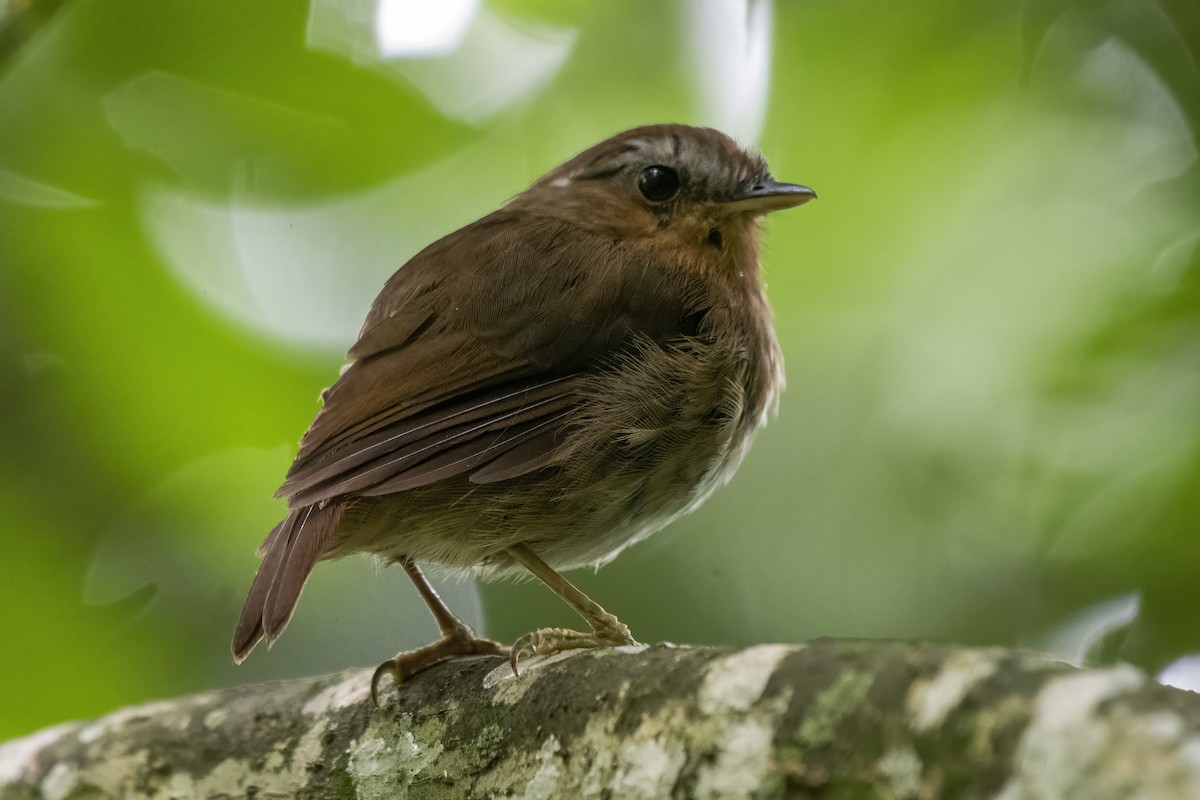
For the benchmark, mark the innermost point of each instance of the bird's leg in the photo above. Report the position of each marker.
(606, 629)
(458, 639)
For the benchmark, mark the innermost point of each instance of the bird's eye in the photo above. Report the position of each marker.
(658, 183)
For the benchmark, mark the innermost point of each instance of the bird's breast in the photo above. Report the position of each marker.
(663, 428)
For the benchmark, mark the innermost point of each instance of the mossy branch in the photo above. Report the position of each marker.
(828, 719)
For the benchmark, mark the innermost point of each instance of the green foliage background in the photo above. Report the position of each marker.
(991, 320)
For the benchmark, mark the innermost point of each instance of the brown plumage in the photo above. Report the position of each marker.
(544, 386)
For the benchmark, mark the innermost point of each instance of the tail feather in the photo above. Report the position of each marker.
(291, 551)
(305, 547)
(249, 628)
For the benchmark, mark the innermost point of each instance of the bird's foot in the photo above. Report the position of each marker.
(607, 631)
(462, 642)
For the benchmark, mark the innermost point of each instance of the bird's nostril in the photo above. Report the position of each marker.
(758, 187)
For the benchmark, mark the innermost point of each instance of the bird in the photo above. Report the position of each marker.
(543, 388)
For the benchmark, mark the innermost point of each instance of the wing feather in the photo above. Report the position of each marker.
(372, 473)
(411, 435)
(472, 357)
(464, 457)
(522, 458)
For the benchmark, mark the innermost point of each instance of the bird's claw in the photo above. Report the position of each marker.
(406, 665)
(547, 641)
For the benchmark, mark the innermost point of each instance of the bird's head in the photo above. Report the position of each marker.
(676, 186)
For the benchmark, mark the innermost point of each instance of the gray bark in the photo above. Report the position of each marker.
(830, 719)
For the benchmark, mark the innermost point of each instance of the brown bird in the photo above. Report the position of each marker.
(544, 387)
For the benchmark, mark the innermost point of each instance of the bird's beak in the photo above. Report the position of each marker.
(763, 197)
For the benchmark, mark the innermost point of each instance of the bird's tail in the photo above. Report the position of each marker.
(288, 555)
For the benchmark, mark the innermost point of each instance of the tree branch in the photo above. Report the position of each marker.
(829, 719)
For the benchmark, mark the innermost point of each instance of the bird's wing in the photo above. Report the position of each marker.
(474, 355)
